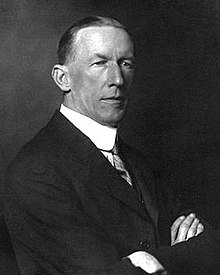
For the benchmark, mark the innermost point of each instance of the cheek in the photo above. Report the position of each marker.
(86, 82)
(78, 78)
(129, 78)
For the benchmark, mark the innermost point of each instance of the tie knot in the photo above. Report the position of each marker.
(114, 150)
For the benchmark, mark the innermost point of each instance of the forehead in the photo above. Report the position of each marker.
(101, 39)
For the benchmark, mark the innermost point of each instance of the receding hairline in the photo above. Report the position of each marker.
(73, 47)
(67, 49)
(81, 32)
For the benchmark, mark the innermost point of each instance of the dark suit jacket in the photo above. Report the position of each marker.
(69, 212)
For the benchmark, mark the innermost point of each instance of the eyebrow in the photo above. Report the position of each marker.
(121, 58)
(101, 56)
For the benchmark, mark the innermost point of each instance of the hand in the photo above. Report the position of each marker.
(185, 228)
(147, 262)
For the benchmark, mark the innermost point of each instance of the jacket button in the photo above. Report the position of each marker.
(145, 244)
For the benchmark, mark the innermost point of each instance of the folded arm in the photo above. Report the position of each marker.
(185, 227)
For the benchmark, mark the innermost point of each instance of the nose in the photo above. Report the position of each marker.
(116, 77)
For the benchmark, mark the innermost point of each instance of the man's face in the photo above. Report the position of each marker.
(101, 74)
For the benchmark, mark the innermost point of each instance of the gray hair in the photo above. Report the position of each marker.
(66, 44)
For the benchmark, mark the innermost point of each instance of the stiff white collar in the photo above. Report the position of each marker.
(102, 136)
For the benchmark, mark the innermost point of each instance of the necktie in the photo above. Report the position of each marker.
(119, 165)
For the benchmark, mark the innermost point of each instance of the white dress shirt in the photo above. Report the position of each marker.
(102, 136)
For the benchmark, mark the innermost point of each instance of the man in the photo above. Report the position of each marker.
(80, 200)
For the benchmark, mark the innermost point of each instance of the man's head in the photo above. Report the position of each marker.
(96, 69)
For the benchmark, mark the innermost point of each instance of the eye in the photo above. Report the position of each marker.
(127, 64)
(100, 63)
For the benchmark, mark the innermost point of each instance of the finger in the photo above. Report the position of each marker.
(175, 227)
(184, 227)
(200, 229)
(193, 229)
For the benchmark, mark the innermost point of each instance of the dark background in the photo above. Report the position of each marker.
(174, 112)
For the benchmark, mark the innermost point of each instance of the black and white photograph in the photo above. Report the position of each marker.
(110, 137)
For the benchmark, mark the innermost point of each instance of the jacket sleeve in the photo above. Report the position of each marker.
(198, 255)
(50, 231)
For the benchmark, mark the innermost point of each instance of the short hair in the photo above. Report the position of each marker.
(66, 44)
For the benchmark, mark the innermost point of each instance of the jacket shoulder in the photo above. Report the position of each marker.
(43, 149)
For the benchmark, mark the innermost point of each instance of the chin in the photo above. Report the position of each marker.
(113, 123)
(112, 120)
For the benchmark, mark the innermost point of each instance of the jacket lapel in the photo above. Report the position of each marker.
(94, 167)
(76, 143)
(144, 180)
(108, 179)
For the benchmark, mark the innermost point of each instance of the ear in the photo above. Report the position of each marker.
(60, 76)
